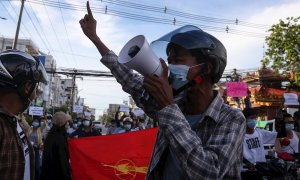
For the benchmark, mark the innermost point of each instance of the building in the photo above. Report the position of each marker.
(58, 91)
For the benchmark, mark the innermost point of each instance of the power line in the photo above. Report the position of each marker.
(166, 10)
(68, 36)
(36, 29)
(169, 21)
(54, 30)
(42, 29)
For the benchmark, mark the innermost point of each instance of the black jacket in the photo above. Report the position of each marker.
(55, 163)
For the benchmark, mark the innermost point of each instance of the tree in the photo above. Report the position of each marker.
(283, 49)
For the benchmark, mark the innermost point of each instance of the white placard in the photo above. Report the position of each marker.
(77, 109)
(139, 112)
(290, 99)
(124, 108)
(36, 111)
(87, 114)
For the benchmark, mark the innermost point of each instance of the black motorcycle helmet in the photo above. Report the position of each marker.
(195, 40)
(18, 68)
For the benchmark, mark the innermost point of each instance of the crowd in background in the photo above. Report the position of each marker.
(48, 136)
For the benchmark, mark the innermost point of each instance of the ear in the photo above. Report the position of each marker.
(27, 87)
(209, 68)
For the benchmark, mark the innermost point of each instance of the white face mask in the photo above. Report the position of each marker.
(86, 123)
(127, 127)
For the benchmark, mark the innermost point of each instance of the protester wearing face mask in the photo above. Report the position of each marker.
(199, 137)
(127, 125)
(56, 155)
(253, 146)
(293, 136)
(44, 127)
(20, 75)
(36, 139)
(112, 127)
(86, 130)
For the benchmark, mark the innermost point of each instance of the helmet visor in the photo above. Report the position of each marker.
(188, 37)
(42, 75)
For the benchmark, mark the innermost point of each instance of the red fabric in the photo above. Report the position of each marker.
(284, 141)
(285, 156)
(117, 156)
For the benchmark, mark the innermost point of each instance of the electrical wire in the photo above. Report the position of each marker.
(74, 57)
(41, 27)
(58, 41)
(36, 28)
(169, 21)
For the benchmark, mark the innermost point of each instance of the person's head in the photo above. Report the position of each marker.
(75, 124)
(251, 117)
(194, 55)
(288, 122)
(35, 124)
(20, 74)
(87, 123)
(61, 119)
(43, 122)
(127, 123)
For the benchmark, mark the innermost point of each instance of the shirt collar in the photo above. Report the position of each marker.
(215, 106)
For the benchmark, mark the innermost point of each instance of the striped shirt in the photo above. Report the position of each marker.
(212, 151)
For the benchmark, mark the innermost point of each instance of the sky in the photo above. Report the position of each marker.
(54, 27)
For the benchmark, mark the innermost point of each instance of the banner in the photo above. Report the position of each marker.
(112, 157)
(236, 89)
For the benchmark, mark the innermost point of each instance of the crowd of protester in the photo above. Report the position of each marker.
(199, 137)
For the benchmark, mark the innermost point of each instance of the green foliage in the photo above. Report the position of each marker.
(284, 46)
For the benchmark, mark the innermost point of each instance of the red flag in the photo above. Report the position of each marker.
(117, 156)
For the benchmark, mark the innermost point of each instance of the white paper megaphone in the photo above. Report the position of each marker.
(137, 55)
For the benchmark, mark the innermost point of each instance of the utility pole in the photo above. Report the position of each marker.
(18, 26)
(73, 89)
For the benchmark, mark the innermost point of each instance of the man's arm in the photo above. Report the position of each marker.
(89, 28)
(130, 82)
(211, 160)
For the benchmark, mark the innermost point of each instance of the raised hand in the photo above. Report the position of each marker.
(159, 87)
(89, 24)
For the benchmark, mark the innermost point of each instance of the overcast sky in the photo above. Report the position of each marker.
(53, 26)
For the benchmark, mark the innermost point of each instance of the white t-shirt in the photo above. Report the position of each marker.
(26, 152)
(293, 147)
(253, 146)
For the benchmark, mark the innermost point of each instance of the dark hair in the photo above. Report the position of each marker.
(287, 115)
(297, 114)
(249, 112)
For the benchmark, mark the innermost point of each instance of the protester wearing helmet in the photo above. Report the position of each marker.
(127, 125)
(199, 136)
(20, 74)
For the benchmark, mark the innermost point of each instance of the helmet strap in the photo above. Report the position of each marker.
(25, 98)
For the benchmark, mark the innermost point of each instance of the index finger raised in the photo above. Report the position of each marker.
(89, 9)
